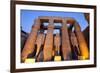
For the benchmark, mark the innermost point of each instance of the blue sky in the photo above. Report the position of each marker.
(28, 16)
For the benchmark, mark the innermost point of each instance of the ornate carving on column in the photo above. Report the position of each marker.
(30, 43)
(81, 40)
(48, 45)
(66, 49)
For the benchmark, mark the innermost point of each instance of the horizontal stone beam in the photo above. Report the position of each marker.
(57, 19)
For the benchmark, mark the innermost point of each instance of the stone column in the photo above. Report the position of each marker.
(30, 43)
(39, 42)
(57, 43)
(66, 49)
(48, 45)
(81, 40)
(75, 48)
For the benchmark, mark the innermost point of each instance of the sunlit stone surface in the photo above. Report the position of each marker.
(46, 45)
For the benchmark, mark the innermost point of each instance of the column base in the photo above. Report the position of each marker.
(30, 60)
(82, 58)
(57, 58)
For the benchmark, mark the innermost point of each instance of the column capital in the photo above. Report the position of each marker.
(36, 24)
(77, 26)
(64, 24)
(70, 20)
(51, 21)
(37, 21)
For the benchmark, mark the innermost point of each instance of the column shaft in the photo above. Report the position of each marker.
(66, 49)
(39, 42)
(57, 43)
(30, 43)
(48, 46)
(81, 41)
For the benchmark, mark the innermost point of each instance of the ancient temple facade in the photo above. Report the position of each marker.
(44, 44)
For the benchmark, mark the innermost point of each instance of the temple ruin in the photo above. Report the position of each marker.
(43, 44)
